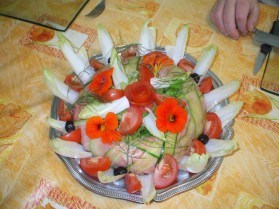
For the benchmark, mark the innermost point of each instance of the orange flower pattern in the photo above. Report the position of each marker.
(12, 118)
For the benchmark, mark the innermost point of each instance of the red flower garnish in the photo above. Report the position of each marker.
(170, 116)
(97, 127)
(101, 82)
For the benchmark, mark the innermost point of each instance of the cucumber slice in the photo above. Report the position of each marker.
(170, 143)
(131, 69)
(194, 99)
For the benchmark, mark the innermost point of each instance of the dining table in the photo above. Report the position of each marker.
(32, 175)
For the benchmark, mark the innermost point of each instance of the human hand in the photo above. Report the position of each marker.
(235, 17)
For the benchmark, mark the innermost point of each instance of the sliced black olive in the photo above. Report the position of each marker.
(195, 76)
(70, 126)
(119, 171)
(108, 60)
(203, 138)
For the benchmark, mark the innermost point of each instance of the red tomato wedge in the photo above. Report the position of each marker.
(206, 85)
(213, 126)
(64, 113)
(165, 172)
(97, 65)
(145, 73)
(131, 121)
(198, 147)
(186, 65)
(132, 183)
(74, 136)
(74, 83)
(111, 95)
(92, 165)
(140, 93)
(160, 98)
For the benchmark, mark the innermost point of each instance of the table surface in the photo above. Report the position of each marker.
(31, 173)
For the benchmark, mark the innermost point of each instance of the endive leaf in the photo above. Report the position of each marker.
(59, 88)
(148, 191)
(229, 112)
(108, 176)
(177, 52)
(78, 61)
(205, 61)
(147, 40)
(119, 77)
(150, 123)
(68, 148)
(221, 93)
(105, 41)
(194, 163)
(101, 109)
(218, 147)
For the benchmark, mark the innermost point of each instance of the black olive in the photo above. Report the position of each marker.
(119, 171)
(108, 60)
(70, 126)
(195, 76)
(203, 138)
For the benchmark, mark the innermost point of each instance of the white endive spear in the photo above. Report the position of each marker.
(78, 61)
(177, 52)
(105, 41)
(147, 39)
(59, 88)
(205, 61)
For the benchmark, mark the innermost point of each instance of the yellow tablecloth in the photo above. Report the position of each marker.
(30, 172)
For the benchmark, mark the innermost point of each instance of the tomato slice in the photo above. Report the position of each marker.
(131, 121)
(97, 65)
(140, 93)
(213, 125)
(165, 172)
(186, 65)
(111, 95)
(132, 183)
(206, 85)
(145, 73)
(160, 98)
(198, 147)
(92, 165)
(64, 113)
(74, 83)
(74, 136)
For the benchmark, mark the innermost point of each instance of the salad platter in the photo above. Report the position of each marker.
(163, 129)
(117, 189)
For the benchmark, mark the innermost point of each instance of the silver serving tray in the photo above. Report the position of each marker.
(117, 189)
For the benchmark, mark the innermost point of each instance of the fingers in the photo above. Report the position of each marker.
(241, 15)
(253, 16)
(235, 17)
(229, 19)
(217, 16)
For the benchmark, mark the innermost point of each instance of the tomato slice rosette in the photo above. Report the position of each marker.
(142, 117)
